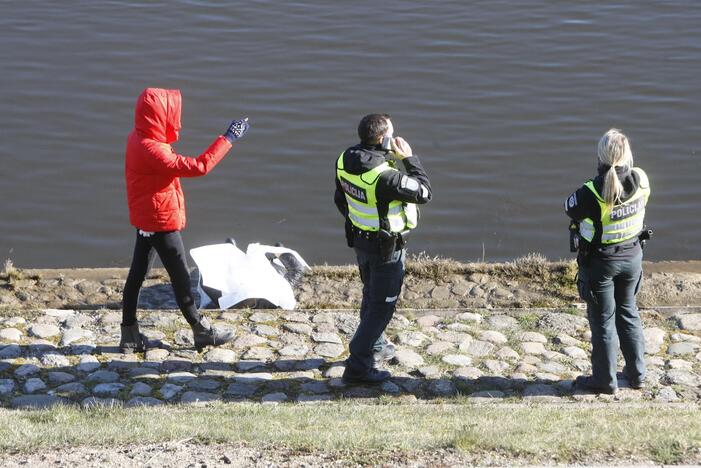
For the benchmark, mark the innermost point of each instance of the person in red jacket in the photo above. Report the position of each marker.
(157, 208)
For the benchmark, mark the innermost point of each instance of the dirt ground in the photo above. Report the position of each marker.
(188, 453)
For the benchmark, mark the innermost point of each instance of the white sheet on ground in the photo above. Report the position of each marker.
(240, 276)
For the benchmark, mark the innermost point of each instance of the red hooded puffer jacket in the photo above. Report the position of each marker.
(152, 168)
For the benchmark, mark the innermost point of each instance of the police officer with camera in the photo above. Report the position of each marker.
(608, 212)
(378, 184)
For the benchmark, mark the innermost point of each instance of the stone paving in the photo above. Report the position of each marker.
(53, 356)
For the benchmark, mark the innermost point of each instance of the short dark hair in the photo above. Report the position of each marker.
(372, 127)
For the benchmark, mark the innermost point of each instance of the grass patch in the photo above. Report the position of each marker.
(15, 311)
(536, 433)
(11, 276)
(670, 451)
(554, 279)
(557, 279)
(335, 272)
(9, 271)
(528, 320)
(567, 435)
(533, 265)
(435, 268)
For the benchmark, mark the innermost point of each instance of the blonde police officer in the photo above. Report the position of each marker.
(378, 202)
(610, 210)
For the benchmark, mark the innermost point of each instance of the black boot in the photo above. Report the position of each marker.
(207, 335)
(588, 384)
(372, 376)
(132, 340)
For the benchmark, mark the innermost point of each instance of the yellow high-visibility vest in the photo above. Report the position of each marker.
(362, 201)
(621, 222)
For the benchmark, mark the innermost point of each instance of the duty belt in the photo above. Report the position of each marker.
(374, 235)
(373, 238)
(367, 235)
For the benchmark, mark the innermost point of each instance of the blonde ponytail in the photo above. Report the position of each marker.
(614, 150)
(612, 187)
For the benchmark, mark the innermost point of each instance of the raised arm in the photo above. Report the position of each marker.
(163, 159)
(412, 187)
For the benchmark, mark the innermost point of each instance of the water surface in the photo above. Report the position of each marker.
(503, 100)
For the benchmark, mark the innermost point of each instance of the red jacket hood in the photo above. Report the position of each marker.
(157, 114)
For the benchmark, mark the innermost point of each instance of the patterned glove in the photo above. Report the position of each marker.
(236, 130)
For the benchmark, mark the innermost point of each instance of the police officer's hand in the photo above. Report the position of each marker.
(236, 130)
(401, 148)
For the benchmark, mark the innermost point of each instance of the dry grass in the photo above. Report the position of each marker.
(534, 433)
(420, 266)
(552, 283)
(335, 272)
(10, 273)
(533, 265)
(8, 267)
(530, 266)
(556, 279)
(423, 266)
(571, 435)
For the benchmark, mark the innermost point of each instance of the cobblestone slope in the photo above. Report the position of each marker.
(52, 356)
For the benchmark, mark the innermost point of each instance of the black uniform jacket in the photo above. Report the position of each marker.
(583, 204)
(410, 187)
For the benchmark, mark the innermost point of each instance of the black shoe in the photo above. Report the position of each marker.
(586, 382)
(385, 354)
(637, 384)
(131, 340)
(207, 335)
(373, 376)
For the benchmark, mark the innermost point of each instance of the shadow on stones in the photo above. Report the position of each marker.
(152, 296)
(119, 379)
(157, 296)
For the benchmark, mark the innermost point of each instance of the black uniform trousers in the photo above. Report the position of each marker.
(609, 287)
(382, 284)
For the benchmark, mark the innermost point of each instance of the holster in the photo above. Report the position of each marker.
(585, 253)
(574, 236)
(350, 234)
(645, 236)
(579, 245)
(387, 243)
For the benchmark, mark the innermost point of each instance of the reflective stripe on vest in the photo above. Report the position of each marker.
(621, 222)
(362, 202)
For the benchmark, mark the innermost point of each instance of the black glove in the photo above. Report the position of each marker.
(236, 130)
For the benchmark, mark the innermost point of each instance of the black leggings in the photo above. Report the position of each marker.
(170, 249)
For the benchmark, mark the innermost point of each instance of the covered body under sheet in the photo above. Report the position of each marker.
(263, 274)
